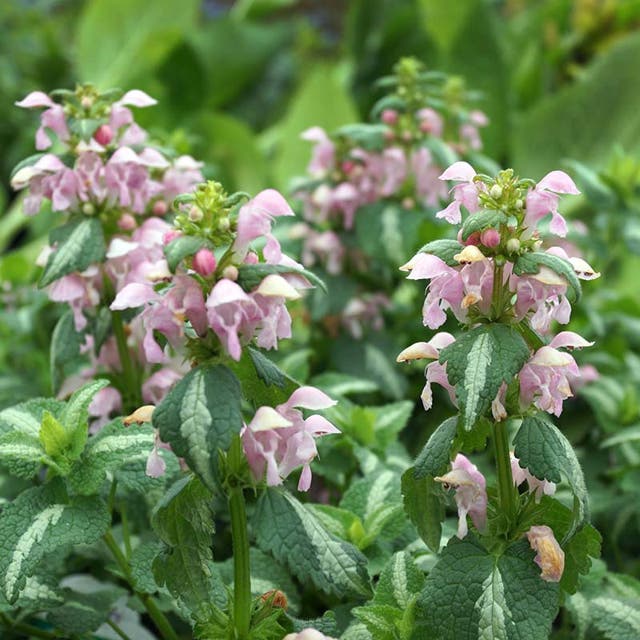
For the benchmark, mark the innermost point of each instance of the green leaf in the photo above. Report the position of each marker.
(251, 275)
(181, 247)
(141, 563)
(295, 536)
(443, 249)
(80, 244)
(367, 494)
(53, 436)
(39, 522)
(136, 31)
(531, 263)
(425, 507)
(341, 384)
(471, 593)
(199, 416)
(435, 456)
(27, 162)
(615, 619)
(478, 362)
(22, 453)
(110, 449)
(26, 417)
(84, 612)
(368, 136)
(267, 370)
(544, 450)
(65, 348)
(183, 520)
(487, 219)
(599, 193)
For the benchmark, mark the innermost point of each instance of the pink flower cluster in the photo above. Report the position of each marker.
(220, 304)
(467, 287)
(114, 168)
(280, 440)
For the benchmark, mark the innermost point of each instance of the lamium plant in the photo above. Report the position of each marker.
(517, 549)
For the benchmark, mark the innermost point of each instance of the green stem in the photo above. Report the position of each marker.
(497, 293)
(506, 488)
(126, 537)
(26, 629)
(240, 538)
(118, 630)
(159, 619)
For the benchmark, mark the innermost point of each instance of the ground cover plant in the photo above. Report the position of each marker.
(394, 399)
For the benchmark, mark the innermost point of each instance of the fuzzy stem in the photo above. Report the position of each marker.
(506, 489)
(159, 619)
(240, 538)
(118, 630)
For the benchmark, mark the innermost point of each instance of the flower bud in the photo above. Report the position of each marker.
(251, 258)
(127, 222)
(170, 235)
(276, 598)
(390, 116)
(469, 254)
(513, 245)
(195, 213)
(204, 263)
(86, 102)
(88, 209)
(230, 273)
(473, 239)
(490, 238)
(224, 224)
(407, 136)
(348, 166)
(519, 203)
(103, 135)
(160, 208)
(389, 136)
(408, 203)
(496, 192)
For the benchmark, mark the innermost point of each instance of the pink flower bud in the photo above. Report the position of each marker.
(204, 263)
(127, 222)
(473, 239)
(390, 116)
(348, 166)
(86, 102)
(230, 273)
(170, 235)
(103, 135)
(389, 136)
(490, 238)
(160, 208)
(251, 258)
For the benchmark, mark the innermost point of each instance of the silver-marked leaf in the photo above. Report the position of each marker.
(544, 450)
(111, 448)
(478, 362)
(199, 416)
(615, 619)
(367, 494)
(471, 593)
(22, 453)
(80, 244)
(40, 521)
(26, 417)
(296, 538)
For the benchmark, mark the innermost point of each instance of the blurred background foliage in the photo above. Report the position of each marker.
(237, 82)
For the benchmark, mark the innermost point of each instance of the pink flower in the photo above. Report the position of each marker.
(323, 155)
(365, 310)
(543, 199)
(430, 122)
(545, 379)
(464, 194)
(538, 487)
(549, 554)
(280, 440)
(429, 188)
(471, 494)
(307, 634)
(204, 263)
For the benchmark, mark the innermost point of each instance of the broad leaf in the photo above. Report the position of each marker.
(181, 247)
(26, 417)
(482, 220)
(80, 244)
(251, 275)
(471, 593)
(531, 263)
(435, 456)
(22, 453)
(444, 249)
(295, 536)
(65, 348)
(615, 619)
(478, 362)
(425, 507)
(199, 416)
(39, 522)
(544, 450)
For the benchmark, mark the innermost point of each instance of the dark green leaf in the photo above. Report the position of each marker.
(436, 454)
(531, 263)
(444, 249)
(482, 220)
(181, 247)
(251, 275)
(65, 348)
(424, 506)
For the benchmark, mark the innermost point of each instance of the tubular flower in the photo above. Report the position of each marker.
(535, 486)
(549, 554)
(307, 634)
(471, 494)
(280, 440)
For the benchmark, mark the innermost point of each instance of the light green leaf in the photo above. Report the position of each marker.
(341, 384)
(80, 244)
(141, 562)
(544, 450)
(295, 536)
(365, 495)
(53, 436)
(199, 416)
(615, 619)
(39, 522)
(471, 593)
(111, 448)
(435, 456)
(478, 362)
(137, 30)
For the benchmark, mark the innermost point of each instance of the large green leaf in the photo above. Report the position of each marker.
(65, 348)
(436, 454)
(615, 619)
(545, 451)
(444, 249)
(471, 593)
(295, 536)
(561, 125)
(80, 243)
(26, 417)
(113, 33)
(478, 362)
(39, 522)
(199, 416)
(424, 505)
(531, 263)
(22, 453)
